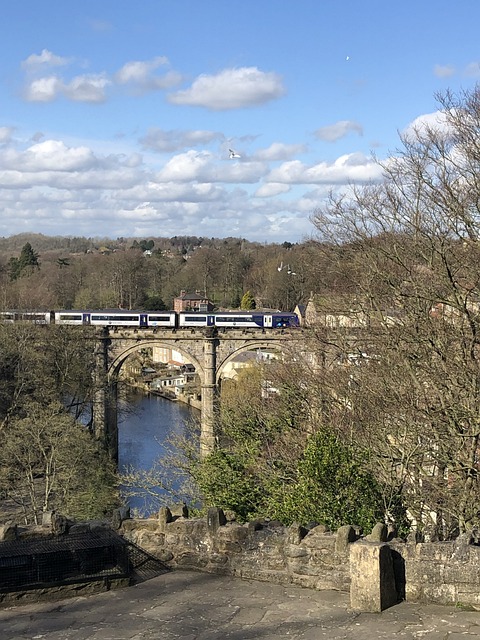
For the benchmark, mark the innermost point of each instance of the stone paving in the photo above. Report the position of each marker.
(195, 606)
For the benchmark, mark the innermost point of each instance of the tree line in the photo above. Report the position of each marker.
(150, 273)
(49, 459)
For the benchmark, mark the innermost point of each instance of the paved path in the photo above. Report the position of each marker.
(194, 606)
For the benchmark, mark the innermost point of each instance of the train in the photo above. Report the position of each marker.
(155, 319)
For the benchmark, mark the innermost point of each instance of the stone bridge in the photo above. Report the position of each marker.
(208, 349)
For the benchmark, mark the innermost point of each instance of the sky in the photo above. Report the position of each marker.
(118, 117)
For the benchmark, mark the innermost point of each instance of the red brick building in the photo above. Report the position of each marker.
(192, 302)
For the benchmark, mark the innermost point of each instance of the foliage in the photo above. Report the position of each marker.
(23, 265)
(226, 480)
(248, 301)
(154, 303)
(331, 487)
(44, 364)
(48, 461)
(276, 460)
(106, 273)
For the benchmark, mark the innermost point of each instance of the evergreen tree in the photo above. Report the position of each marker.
(248, 301)
(25, 264)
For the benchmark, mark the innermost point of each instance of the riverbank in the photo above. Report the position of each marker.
(144, 387)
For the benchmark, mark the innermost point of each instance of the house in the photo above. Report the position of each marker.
(192, 302)
(301, 310)
(334, 312)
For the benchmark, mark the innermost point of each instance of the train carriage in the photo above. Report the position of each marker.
(154, 319)
(35, 317)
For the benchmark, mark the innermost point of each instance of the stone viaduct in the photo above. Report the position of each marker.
(208, 349)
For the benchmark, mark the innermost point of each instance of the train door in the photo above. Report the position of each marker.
(86, 318)
(210, 321)
(143, 321)
(267, 320)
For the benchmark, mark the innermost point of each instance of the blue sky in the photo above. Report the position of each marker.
(117, 116)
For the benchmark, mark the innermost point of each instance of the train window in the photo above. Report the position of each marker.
(233, 319)
(159, 318)
(195, 318)
(115, 318)
(70, 316)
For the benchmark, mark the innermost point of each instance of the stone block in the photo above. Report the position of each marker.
(379, 533)
(179, 510)
(215, 519)
(118, 516)
(296, 533)
(59, 524)
(164, 517)
(233, 533)
(345, 536)
(372, 587)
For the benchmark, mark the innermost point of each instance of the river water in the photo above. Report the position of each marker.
(144, 431)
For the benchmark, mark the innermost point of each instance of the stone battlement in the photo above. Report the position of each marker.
(377, 569)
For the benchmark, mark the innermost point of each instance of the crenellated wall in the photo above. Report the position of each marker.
(434, 572)
(377, 569)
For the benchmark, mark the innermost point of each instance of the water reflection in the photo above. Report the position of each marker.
(145, 426)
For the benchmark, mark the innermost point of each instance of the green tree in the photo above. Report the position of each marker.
(331, 486)
(154, 303)
(248, 301)
(25, 264)
(48, 461)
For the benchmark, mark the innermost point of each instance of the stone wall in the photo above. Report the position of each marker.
(377, 569)
(441, 572)
(434, 572)
(261, 551)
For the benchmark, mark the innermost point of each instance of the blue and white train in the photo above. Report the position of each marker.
(154, 319)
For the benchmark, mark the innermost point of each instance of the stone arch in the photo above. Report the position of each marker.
(252, 345)
(117, 362)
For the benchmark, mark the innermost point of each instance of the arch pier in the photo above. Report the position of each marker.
(207, 349)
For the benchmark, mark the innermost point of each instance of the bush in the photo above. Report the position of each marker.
(332, 487)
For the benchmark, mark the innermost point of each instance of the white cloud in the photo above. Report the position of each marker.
(45, 59)
(139, 71)
(202, 167)
(174, 140)
(444, 71)
(87, 88)
(279, 151)
(6, 134)
(44, 89)
(472, 70)
(338, 130)
(141, 75)
(270, 189)
(57, 188)
(50, 155)
(346, 169)
(436, 121)
(231, 89)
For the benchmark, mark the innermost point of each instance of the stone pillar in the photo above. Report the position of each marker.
(105, 399)
(372, 587)
(209, 394)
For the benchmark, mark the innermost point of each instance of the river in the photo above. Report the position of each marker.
(144, 430)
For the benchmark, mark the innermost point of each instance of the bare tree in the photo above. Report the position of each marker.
(413, 256)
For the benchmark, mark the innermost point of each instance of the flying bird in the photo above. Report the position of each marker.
(234, 154)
